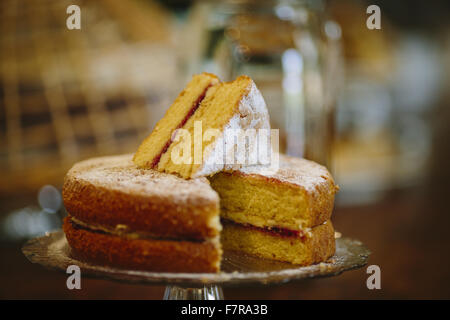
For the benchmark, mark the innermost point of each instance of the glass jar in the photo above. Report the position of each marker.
(290, 51)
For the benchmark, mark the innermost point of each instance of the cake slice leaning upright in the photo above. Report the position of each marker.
(185, 105)
(208, 139)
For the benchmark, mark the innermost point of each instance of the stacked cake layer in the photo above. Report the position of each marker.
(123, 216)
(282, 215)
(302, 248)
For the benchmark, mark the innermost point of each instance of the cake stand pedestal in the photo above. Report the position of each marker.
(53, 252)
(207, 292)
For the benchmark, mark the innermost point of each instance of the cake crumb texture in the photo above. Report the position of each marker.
(230, 105)
(299, 195)
(151, 149)
(315, 248)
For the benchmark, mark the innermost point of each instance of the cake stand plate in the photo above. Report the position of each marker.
(52, 251)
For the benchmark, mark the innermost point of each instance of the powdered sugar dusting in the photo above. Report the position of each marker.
(297, 171)
(252, 114)
(121, 174)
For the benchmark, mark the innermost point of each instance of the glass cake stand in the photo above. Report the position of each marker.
(53, 252)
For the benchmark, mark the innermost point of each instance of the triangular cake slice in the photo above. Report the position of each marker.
(184, 106)
(221, 133)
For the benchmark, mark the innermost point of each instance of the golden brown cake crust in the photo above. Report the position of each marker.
(322, 244)
(111, 191)
(142, 254)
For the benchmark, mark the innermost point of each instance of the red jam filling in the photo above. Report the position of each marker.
(274, 231)
(191, 112)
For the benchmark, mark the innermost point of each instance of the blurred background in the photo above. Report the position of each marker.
(372, 105)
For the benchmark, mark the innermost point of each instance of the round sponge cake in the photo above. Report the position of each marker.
(125, 216)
